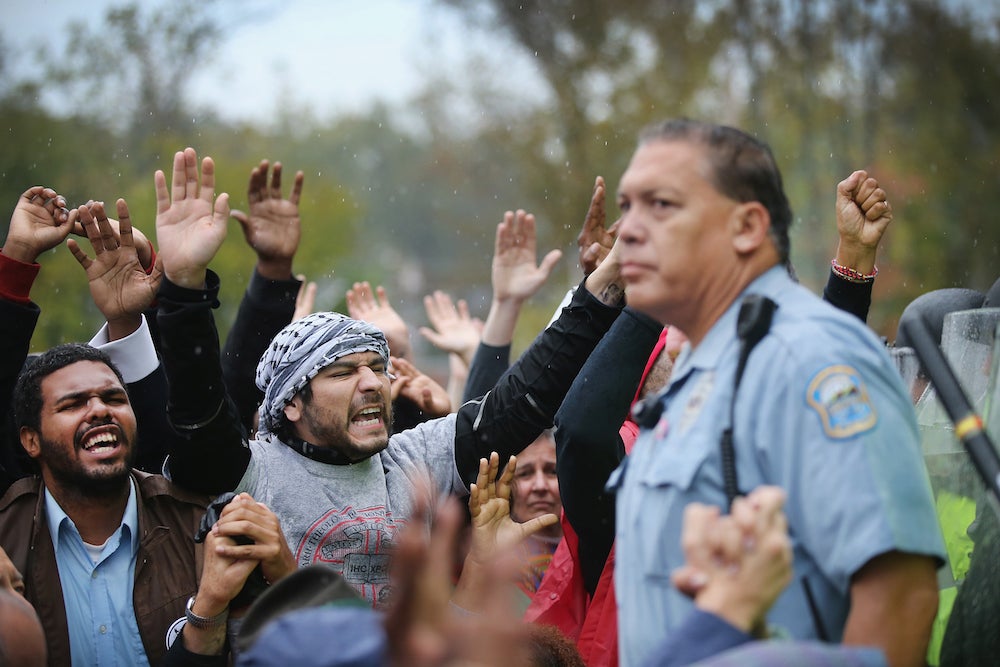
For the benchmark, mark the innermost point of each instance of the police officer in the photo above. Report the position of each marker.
(819, 411)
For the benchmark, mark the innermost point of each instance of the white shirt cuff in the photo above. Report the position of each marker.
(134, 355)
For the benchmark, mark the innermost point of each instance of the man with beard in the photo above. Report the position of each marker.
(106, 550)
(323, 459)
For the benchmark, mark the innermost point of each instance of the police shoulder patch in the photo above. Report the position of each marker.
(839, 397)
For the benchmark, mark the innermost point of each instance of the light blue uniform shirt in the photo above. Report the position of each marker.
(821, 413)
(102, 626)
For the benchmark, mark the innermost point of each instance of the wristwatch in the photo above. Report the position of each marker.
(205, 622)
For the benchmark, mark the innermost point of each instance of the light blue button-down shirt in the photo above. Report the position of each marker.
(98, 597)
(821, 413)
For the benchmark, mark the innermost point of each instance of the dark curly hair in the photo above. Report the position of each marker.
(27, 399)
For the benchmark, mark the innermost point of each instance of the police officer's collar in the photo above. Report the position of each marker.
(722, 336)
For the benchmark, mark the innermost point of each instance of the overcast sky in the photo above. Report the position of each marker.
(333, 55)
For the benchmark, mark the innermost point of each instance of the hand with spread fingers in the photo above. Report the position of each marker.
(493, 529)
(143, 246)
(39, 223)
(190, 219)
(273, 227)
(119, 285)
(515, 274)
(452, 329)
(362, 305)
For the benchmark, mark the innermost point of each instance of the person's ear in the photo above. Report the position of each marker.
(293, 411)
(751, 223)
(31, 441)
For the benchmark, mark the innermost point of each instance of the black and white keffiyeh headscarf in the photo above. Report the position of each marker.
(304, 348)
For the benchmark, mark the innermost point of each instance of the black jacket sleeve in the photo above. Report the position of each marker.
(588, 444)
(179, 656)
(209, 454)
(488, 365)
(149, 402)
(17, 324)
(848, 296)
(525, 400)
(267, 306)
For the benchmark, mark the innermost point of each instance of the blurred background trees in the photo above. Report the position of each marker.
(408, 195)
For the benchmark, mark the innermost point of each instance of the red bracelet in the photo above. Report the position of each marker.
(847, 273)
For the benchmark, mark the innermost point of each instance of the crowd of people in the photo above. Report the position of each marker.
(695, 460)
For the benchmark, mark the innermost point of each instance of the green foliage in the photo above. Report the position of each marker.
(409, 197)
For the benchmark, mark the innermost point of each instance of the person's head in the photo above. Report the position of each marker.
(10, 577)
(325, 380)
(74, 419)
(22, 639)
(536, 488)
(550, 648)
(703, 213)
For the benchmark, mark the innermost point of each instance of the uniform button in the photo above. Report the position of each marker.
(103, 629)
(93, 575)
(553, 596)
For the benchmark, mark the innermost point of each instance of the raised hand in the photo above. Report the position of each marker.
(863, 214)
(453, 330)
(39, 223)
(515, 275)
(427, 394)
(190, 220)
(272, 228)
(361, 305)
(119, 285)
(594, 240)
(305, 300)
(493, 530)
(143, 246)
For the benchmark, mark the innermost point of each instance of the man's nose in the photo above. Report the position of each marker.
(369, 379)
(630, 228)
(97, 409)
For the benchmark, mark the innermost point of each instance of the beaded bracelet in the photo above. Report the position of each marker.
(847, 273)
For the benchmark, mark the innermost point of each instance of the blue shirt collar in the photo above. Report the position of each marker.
(721, 336)
(130, 518)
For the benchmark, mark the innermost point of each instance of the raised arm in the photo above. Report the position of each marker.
(524, 401)
(863, 215)
(210, 455)
(588, 444)
(516, 277)
(272, 228)
(40, 222)
(123, 290)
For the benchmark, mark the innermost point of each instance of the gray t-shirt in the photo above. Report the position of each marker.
(347, 516)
